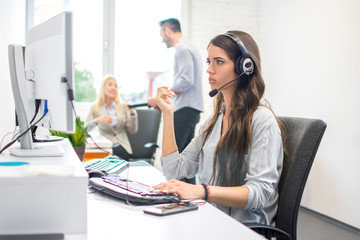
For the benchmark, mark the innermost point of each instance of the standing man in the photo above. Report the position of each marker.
(187, 84)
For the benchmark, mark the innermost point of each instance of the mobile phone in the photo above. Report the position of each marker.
(170, 209)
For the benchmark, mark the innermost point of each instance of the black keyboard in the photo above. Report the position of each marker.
(134, 192)
(108, 165)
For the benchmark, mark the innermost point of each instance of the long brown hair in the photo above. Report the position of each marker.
(235, 142)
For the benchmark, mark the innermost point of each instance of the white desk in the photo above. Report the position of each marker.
(47, 195)
(110, 218)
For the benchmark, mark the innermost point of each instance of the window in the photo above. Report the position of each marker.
(137, 46)
(87, 40)
(139, 50)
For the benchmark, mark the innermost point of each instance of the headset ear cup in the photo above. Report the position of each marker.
(247, 66)
(238, 66)
(244, 64)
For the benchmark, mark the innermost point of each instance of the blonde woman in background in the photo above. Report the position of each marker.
(113, 118)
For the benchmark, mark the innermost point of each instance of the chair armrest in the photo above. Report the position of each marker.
(150, 145)
(268, 231)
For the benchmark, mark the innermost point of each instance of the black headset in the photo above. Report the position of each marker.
(243, 64)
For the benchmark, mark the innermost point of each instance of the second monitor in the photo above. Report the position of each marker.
(43, 71)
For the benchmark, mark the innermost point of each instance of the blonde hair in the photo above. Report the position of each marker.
(101, 96)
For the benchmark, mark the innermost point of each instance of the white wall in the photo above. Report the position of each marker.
(310, 58)
(12, 25)
(204, 19)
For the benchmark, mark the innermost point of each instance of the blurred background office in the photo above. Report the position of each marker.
(310, 51)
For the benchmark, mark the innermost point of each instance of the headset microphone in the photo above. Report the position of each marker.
(215, 91)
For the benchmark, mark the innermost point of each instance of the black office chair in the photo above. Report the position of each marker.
(143, 143)
(303, 137)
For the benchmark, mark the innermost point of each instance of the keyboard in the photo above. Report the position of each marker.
(132, 191)
(108, 165)
(128, 184)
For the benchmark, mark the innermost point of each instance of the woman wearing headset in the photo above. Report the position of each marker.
(238, 154)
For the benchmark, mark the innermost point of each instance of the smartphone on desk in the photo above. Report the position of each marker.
(170, 209)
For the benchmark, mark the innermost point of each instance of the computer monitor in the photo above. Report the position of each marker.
(43, 71)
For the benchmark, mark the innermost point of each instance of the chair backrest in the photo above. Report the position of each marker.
(302, 139)
(149, 122)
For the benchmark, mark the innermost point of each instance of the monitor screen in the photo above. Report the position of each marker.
(42, 72)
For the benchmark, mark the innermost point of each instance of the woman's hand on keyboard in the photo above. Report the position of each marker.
(182, 189)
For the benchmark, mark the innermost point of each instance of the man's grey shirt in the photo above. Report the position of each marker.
(188, 76)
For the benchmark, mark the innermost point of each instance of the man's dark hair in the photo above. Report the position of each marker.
(172, 23)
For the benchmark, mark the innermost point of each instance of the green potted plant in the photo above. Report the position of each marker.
(78, 139)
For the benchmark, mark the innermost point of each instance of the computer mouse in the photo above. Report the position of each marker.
(96, 173)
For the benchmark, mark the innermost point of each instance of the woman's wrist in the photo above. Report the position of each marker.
(207, 192)
(167, 112)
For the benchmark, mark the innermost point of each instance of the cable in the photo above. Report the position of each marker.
(16, 132)
(4, 138)
(127, 183)
(71, 98)
(12, 142)
(86, 132)
(37, 107)
(246, 99)
(70, 94)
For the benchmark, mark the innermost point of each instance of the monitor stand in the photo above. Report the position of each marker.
(23, 105)
(38, 151)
